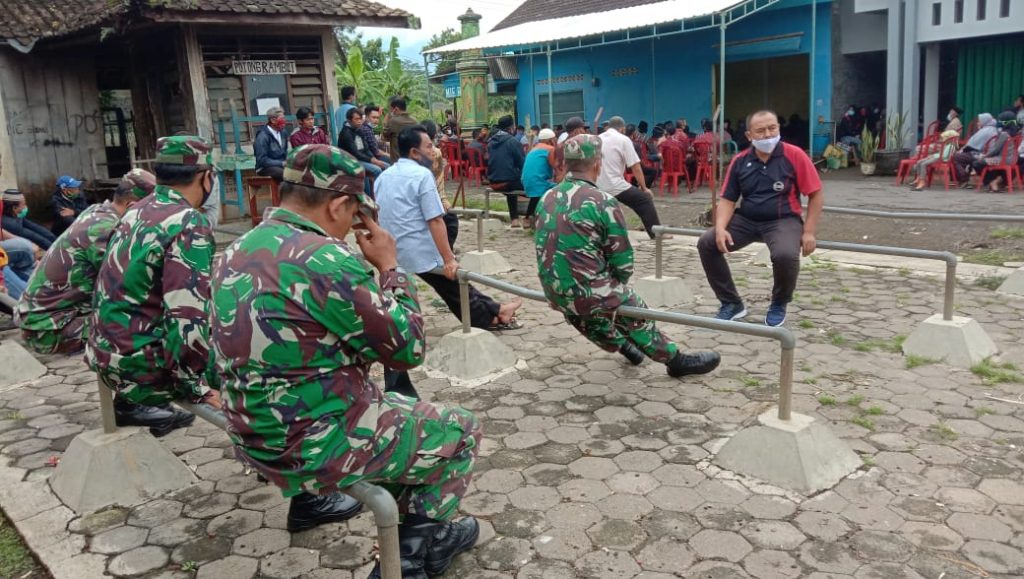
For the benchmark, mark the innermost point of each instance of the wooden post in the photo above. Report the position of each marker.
(195, 76)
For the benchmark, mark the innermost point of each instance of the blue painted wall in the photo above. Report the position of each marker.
(678, 81)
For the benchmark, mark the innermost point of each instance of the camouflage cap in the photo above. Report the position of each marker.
(327, 167)
(583, 147)
(183, 150)
(141, 181)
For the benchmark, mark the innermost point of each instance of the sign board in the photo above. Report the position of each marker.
(452, 92)
(263, 67)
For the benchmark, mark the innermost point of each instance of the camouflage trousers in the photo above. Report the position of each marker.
(67, 340)
(424, 455)
(609, 331)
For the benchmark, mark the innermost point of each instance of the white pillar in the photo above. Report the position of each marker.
(894, 61)
(931, 84)
(911, 71)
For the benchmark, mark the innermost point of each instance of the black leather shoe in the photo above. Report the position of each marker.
(693, 363)
(452, 538)
(161, 420)
(415, 537)
(632, 353)
(307, 511)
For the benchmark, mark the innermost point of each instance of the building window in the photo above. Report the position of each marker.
(1004, 8)
(981, 9)
(937, 14)
(567, 104)
(958, 11)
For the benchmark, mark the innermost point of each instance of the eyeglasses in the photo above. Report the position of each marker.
(765, 131)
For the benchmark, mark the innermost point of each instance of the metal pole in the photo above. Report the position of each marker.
(786, 384)
(925, 215)
(814, 51)
(487, 202)
(426, 81)
(390, 552)
(658, 243)
(947, 305)
(480, 232)
(106, 407)
(721, 102)
(464, 301)
(654, 86)
(551, 91)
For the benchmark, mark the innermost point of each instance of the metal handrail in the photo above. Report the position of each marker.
(379, 501)
(479, 215)
(786, 338)
(926, 215)
(949, 258)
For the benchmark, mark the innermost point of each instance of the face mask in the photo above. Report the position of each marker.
(949, 117)
(849, 113)
(766, 145)
(23, 213)
(207, 192)
(425, 161)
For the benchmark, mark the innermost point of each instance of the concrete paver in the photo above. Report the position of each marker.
(594, 468)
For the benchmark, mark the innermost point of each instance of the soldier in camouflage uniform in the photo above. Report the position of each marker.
(149, 330)
(585, 260)
(55, 309)
(297, 321)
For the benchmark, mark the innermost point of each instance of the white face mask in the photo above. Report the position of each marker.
(766, 145)
(949, 117)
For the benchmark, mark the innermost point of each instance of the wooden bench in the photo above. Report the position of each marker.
(253, 184)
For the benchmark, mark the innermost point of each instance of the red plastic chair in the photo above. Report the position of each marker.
(923, 150)
(703, 152)
(475, 168)
(943, 168)
(933, 129)
(451, 152)
(1007, 165)
(673, 166)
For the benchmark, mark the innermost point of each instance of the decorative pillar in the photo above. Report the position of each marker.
(472, 68)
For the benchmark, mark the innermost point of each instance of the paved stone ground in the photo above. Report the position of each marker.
(591, 468)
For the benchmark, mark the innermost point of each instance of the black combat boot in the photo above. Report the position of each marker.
(415, 536)
(632, 353)
(693, 363)
(307, 510)
(161, 420)
(452, 538)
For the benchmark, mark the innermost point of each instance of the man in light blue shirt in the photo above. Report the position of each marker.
(411, 211)
(348, 101)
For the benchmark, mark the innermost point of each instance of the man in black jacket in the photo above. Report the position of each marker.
(351, 141)
(271, 145)
(505, 166)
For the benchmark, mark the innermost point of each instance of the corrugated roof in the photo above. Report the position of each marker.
(27, 21)
(579, 26)
(533, 10)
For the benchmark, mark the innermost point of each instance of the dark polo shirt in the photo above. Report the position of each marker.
(771, 190)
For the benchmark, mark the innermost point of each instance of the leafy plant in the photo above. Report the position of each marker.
(1008, 233)
(864, 422)
(827, 400)
(868, 146)
(896, 132)
(913, 361)
(991, 282)
(994, 373)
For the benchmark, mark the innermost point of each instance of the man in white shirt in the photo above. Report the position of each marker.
(618, 154)
(411, 211)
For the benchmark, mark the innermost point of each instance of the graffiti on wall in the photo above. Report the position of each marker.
(26, 133)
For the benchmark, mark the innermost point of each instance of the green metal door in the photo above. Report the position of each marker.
(990, 75)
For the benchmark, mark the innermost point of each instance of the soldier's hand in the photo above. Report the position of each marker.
(723, 240)
(451, 269)
(377, 245)
(212, 397)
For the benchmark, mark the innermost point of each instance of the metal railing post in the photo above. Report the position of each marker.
(480, 232)
(106, 407)
(658, 248)
(487, 202)
(949, 294)
(464, 301)
(786, 383)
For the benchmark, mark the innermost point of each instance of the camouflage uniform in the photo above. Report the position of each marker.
(585, 260)
(55, 309)
(297, 321)
(149, 336)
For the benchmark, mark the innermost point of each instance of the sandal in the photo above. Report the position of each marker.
(511, 324)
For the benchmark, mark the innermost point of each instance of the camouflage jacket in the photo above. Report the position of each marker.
(297, 322)
(583, 249)
(149, 325)
(61, 287)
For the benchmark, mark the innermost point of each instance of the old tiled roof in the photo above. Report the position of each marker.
(30, 20)
(533, 10)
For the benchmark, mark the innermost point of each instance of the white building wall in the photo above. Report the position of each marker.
(945, 11)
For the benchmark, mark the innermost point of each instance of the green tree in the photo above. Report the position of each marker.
(445, 62)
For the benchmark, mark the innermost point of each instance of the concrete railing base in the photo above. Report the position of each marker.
(1013, 285)
(664, 292)
(960, 342)
(127, 468)
(468, 356)
(800, 454)
(484, 262)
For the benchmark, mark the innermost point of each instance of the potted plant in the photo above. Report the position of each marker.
(868, 148)
(887, 160)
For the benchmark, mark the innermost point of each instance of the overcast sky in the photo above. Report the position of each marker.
(436, 15)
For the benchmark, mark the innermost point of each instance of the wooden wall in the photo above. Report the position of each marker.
(53, 117)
